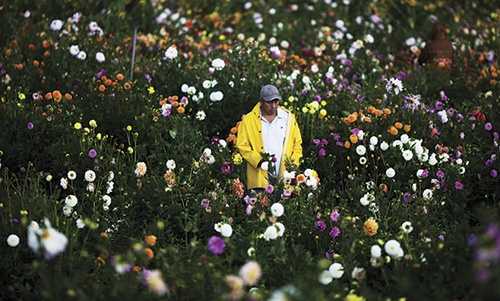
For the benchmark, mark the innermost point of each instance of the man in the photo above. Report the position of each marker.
(268, 129)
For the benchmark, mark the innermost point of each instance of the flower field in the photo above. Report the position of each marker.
(120, 179)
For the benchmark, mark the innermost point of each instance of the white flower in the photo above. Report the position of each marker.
(362, 160)
(407, 154)
(100, 57)
(364, 201)
(218, 64)
(207, 152)
(394, 85)
(171, 164)
(376, 251)
(251, 252)
(64, 183)
(56, 25)
(432, 159)
(407, 227)
(325, 277)
(336, 270)
(384, 146)
(264, 165)
(250, 272)
(13, 240)
(218, 226)
(74, 50)
(71, 175)
(48, 241)
(216, 96)
(67, 210)
(90, 187)
(373, 140)
(226, 230)
(427, 194)
(271, 233)
(361, 150)
(82, 55)
(71, 201)
(404, 138)
(171, 53)
(281, 228)
(106, 199)
(390, 172)
(200, 115)
(392, 248)
(90, 176)
(79, 223)
(397, 144)
(277, 209)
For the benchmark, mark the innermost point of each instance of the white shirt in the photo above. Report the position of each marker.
(273, 136)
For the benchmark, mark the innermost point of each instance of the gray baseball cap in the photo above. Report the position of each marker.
(269, 93)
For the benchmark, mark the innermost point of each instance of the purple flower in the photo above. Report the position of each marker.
(439, 105)
(440, 174)
(488, 126)
(227, 168)
(329, 254)
(322, 152)
(459, 185)
(216, 245)
(269, 189)
(496, 136)
(92, 153)
(320, 225)
(335, 136)
(334, 217)
(493, 173)
(205, 203)
(30, 126)
(489, 162)
(406, 197)
(441, 237)
(334, 232)
(286, 192)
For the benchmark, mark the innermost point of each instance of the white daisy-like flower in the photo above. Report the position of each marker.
(362, 160)
(277, 209)
(200, 115)
(13, 240)
(171, 53)
(90, 175)
(48, 241)
(216, 96)
(64, 183)
(392, 248)
(394, 85)
(336, 270)
(207, 84)
(56, 25)
(407, 227)
(390, 172)
(106, 200)
(71, 201)
(427, 194)
(361, 150)
(264, 165)
(404, 138)
(218, 226)
(325, 277)
(74, 50)
(67, 210)
(218, 64)
(271, 233)
(250, 272)
(71, 175)
(251, 252)
(432, 159)
(171, 164)
(384, 146)
(364, 201)
(407, 154)
(100, 57)
(376, 251)
(79, 223)
(226, 230)
(82, 55)
(373, 140)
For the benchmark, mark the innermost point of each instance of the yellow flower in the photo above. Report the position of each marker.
(130, 150)
(77, 126)
(22, 96)
(151, 90)
(93, 123)
(237, 159)
(370, 227)
(354, 297)
(129, 128)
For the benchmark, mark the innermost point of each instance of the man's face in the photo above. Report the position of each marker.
(270, 107)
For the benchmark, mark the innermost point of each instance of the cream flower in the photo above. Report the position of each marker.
(140, 169)
(277, 209)
(89, 176)
(336, 270)
(325, 277)
(226, 230)
(250, 272)
(13, 240)
(71, 201)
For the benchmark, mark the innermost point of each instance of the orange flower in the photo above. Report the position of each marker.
(370, 227)
(19, 66)
(127, 85)
(353, 138)
(150, 240)
(46, 44)
(108, 82)
(347, 144)
(36, 63)
(48, 95)
(68, 96)
(149, 253)
(377, 112)
(31, 47)
(382, 187)
(301, 178)
(104, 78)
(387, 111)
(104, 235)
(181, 110)
(57, 95)
(234, 130)
(175, 103)
(46, 54)
(407, 128)
(119, 76)
(398, 125)
(367, 120)
(102, 88)
(393, 130)
(136, 268)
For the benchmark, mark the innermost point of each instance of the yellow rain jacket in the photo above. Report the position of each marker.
(250, 145)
